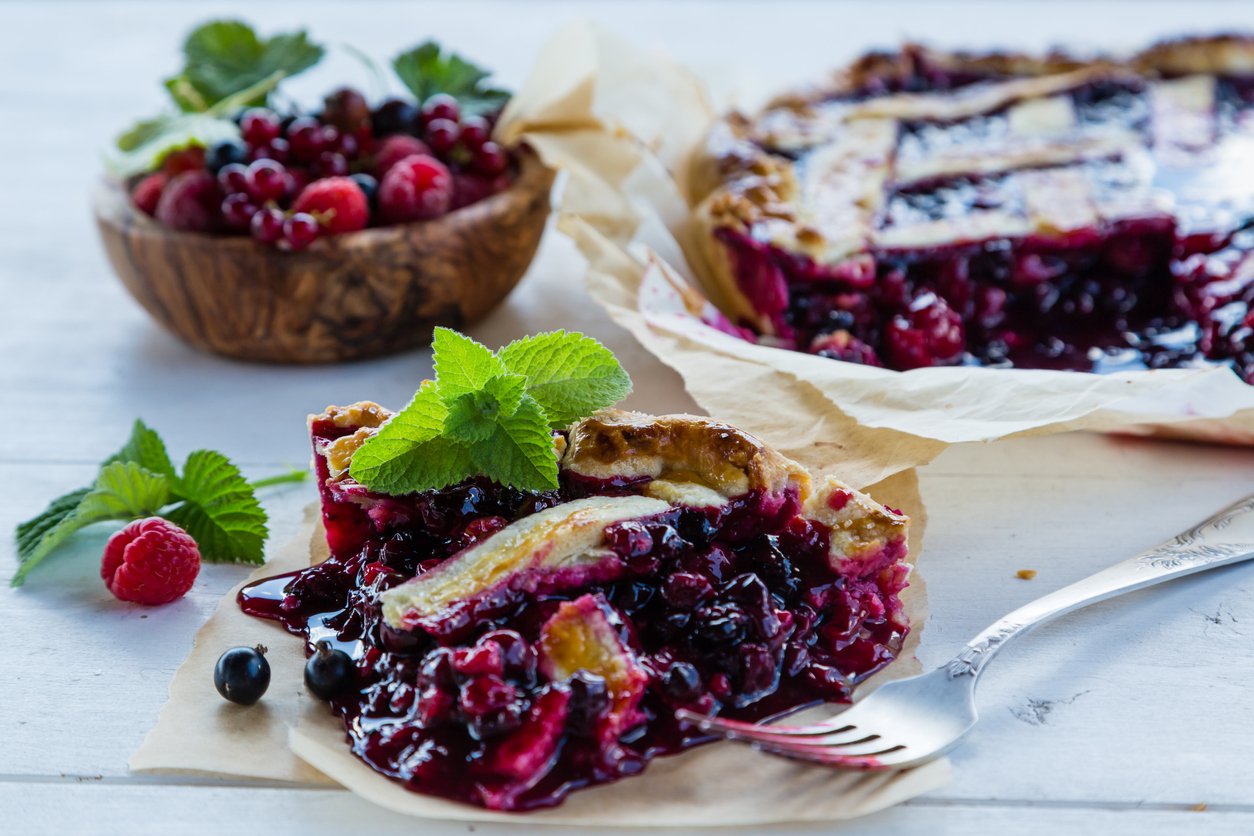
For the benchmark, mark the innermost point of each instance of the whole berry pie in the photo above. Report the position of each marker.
(925, 208)
(511, 646)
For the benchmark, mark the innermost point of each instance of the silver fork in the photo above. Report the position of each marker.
(910, 721)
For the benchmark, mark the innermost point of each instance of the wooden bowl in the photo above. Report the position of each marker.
(347, 297)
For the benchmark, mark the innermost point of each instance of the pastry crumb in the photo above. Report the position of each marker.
(1026, 574)
(1200, 807)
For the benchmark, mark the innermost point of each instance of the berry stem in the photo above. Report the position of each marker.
(293, 475)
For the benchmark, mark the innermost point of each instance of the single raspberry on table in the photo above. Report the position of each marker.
(416, 188)
(147, 192)
(338, 203)
(394, 149)
(150, 561)
(192, 201)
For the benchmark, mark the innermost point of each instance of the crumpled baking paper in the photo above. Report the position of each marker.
(625, 122)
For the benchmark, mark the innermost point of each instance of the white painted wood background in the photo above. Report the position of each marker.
(1119, 719)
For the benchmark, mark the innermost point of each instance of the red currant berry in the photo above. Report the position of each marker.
(442, 135)
(300, 230)
(266, 225)
(266, 180)
(259, 125)
(233, 178)
(441, 106)
(238, 211)
(349, 146)
(491, 159)
(277, 149)
(475, 132)
(331, 164)
(346, 109)
(305, 137)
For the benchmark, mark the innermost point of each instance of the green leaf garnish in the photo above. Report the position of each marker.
(224, 57)
(425, 71)
(491, 413)
(212, 502)
(570, 375)
(219, 510)
(147, 144)
(226, 67)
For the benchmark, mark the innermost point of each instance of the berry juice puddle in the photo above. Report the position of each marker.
(939, 209)
(513, 646)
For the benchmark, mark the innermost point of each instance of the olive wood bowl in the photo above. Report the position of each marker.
(347, 297)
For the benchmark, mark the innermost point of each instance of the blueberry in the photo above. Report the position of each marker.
(682, 681)
(589, 702)
(369, 185)
(225, 153)
(328, 671)
(242, 674)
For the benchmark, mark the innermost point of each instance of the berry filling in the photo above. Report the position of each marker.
(510, 647)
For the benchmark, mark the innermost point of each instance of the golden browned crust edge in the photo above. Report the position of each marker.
(613, 443)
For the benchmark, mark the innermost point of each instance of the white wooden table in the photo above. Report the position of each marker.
(1119, 719)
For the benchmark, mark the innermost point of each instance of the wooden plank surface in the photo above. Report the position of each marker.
(1117, 719)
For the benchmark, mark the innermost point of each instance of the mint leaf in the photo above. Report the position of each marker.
(146, 449)
(425, 71)
(226, 56)
(474, 416)
(123, 491)
(219, 510)
(389, 462)
(568, 374)
(520, 450)
(461, 364)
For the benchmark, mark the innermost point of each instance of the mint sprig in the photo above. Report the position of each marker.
(491, 413)
(425, 70)
(210, 500)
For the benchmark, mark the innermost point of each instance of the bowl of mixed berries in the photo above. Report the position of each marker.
(262, 231)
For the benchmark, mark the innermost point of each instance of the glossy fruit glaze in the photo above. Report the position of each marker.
(1162, 290)
(735, 612)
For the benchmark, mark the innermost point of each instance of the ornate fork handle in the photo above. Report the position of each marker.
(1225, 538)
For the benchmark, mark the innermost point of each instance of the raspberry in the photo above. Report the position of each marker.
(394, 149)
(337, 202)
(192, 201)
(416, 188)
(188, 159)
(472, 188)
(148, 192)
(929, 334)
(151, 561)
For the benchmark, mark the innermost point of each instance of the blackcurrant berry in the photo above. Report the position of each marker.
(328, 671)
(225, 153)
(369, 185)
(395, 116)
(242, 674)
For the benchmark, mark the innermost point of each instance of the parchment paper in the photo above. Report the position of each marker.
(625, 122)
(289, 736)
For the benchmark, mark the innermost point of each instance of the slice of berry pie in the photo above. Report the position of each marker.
(926, 208)
(512, 646)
